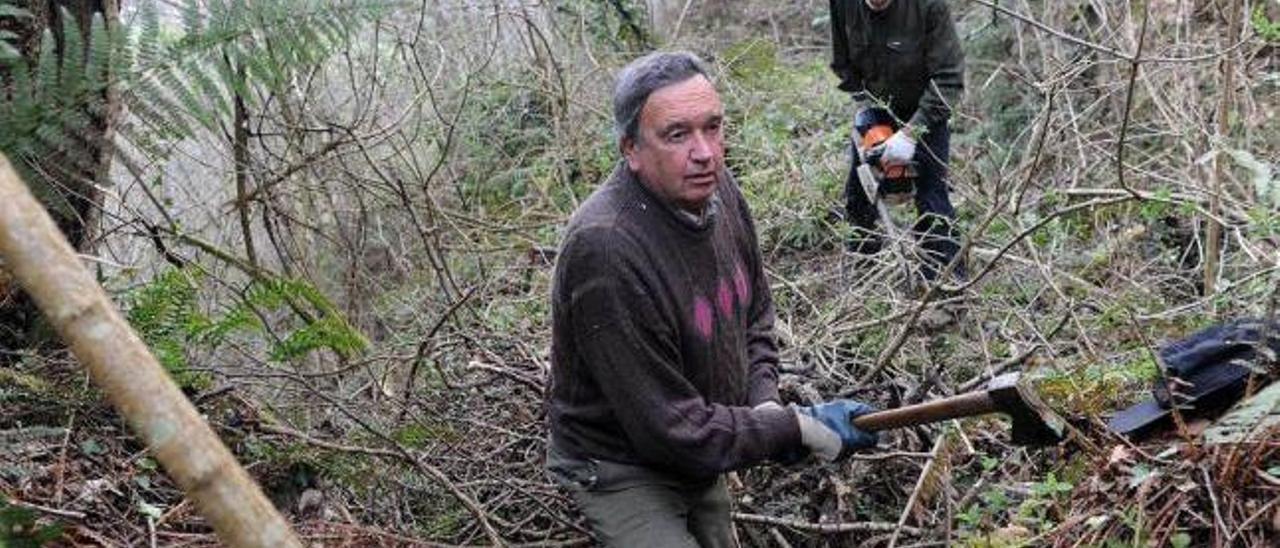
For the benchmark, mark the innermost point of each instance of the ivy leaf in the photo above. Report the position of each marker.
(149, 510)
(1140, 475)
(10, 10)
(8, 52)
(91, 447)
(1264, 184)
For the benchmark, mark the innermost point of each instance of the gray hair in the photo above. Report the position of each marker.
(640, 78)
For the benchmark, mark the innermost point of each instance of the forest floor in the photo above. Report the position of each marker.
(1084, 242)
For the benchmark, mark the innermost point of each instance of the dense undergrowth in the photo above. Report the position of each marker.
(384, 356)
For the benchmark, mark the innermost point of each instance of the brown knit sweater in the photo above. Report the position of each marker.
(662, 338)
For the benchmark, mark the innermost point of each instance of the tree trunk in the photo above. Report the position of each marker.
(76, 170)
(1213, 238)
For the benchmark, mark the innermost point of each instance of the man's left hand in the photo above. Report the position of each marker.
(899, 149)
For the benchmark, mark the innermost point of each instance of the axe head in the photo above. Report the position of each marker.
(1034, 424)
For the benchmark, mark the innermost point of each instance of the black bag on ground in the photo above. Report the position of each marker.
(1204, 372)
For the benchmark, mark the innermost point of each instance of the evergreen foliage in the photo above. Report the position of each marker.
(174, 81)
(166, 314)
(19, 528)
(330, 330)
(1266, 26)
(620, 23)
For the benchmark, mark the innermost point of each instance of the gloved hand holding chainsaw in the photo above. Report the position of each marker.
(899, 149)
(880, 140)
(889, 149)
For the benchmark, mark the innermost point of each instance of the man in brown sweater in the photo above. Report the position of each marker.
(664, 363)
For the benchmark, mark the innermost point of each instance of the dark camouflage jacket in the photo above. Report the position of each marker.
(906, 55)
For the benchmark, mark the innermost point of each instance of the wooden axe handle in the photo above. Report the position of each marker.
(964, 405)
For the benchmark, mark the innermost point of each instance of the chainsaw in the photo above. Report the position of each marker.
(892, 183)
(884, 184)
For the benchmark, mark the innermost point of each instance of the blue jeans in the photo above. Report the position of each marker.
(935, 228)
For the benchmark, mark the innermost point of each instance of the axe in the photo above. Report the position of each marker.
(1034, 424)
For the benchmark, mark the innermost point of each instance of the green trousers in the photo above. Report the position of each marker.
(631, 506)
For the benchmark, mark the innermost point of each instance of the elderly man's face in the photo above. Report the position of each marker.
(679, 149)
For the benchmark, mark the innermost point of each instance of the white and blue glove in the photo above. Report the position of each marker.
(827, 429)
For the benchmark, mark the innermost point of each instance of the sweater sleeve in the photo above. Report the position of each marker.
(762, 347)
(630, 344)
(944, 62)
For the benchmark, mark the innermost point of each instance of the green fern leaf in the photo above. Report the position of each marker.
(71, 78)
(235, 84)
(8, 53)
(211, 91)
(160, 311)
(187, 98)
(98, 69)
(47, 69)
(192, 21)
(329, 332)
(149, 49)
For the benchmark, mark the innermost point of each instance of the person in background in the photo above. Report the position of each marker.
(663, 361)
(903, 56)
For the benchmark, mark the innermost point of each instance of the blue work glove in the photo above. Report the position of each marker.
(828, 432)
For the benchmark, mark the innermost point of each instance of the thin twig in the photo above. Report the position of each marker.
(826, 528)
(1135, 65)
(69, 514)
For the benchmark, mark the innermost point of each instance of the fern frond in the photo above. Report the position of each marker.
(98, 65)
(47, 70)
(192, 21)
(149, 49)
(71, 71)
(174, 81)
(10, 10)
(162, 312)
(331, 330)
(8, 52)
(213, 93)
(185, 97)
(149, 102)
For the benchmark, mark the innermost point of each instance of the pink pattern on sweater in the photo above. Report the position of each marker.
(727, 290)
(702, 317)
(740, 285)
